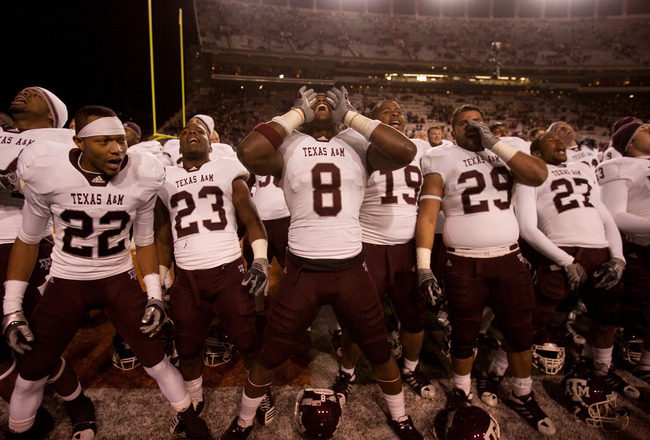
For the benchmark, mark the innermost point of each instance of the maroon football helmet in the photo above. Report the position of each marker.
(317, 413)
(472, 423)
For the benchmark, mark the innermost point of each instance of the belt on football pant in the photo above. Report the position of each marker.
(485, 252)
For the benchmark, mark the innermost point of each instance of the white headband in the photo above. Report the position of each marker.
(102, 127)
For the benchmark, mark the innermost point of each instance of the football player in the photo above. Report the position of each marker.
(565, 220)
(323, 174)
(196, 220)
(574, 152)
(94, 193)
(472, 182)
(38, 115)
(388, 215)
(625, 185)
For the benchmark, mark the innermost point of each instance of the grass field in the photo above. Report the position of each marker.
(129, 406)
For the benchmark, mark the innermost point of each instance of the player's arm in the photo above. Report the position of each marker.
(614, 196)
(147, 258)
(163, 239)
(259, 150)
(430, 204)
(257, 277)
(389, 150)
(612, 233)
(526, 169)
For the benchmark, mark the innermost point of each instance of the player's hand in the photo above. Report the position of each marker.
(305, 102)
(257, 277)
(153, 318)
(340, 102)
(17, 331)
(488, 140)
(609, 274)
(575, 274)
(428, 286)
(9, 181)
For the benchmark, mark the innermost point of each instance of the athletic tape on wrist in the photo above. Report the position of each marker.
(103, 127)
(152, 284)
(360, 123)
(428, 196)
(504, 151)
(260, 248)
(290, 120)
(14, 293)
(270, 134)
(422, 258)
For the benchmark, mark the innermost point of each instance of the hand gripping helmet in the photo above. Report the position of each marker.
(217, 350)
(548, 351)
(317, 413)
(471, 423)
(591, 400)
(121, 354)
(629, 344)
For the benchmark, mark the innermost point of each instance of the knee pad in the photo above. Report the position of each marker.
(462, 351)
(378, 353)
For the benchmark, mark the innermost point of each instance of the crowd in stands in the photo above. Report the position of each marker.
(585, 42)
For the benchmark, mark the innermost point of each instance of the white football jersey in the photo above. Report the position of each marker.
(611, 153)
(634, 172)
(203, 218)
(584, 154)
(12, 143)
(390, 206)
(92, 212)
(477, 200)
(566, 206)
(151, 147)
(324, 184)
(172, 155)
(269, 198)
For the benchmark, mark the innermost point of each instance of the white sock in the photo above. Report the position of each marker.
(248, 408)
(463, 382)
(522, 386)
(499, 364)
(411, 365)
(195, 388)
(395, 404)
(602, 359)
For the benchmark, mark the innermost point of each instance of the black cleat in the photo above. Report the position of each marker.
(236, 432)
(527, 407)
(343, 386)
(488, 388)
(266, 411)
(404, 429)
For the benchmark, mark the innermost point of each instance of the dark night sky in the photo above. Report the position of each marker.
(97, 52)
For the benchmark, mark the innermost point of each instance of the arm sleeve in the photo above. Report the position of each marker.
(143, 224)
(614, 196)
(35, 218)
(526, 210)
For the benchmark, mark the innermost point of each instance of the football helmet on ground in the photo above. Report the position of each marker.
(217, 350)
(471, 423)
(591, 400)
(548, 351)
(121, 354)
(317, 413)
(629, 344)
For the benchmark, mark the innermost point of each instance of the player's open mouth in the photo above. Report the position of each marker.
(193, 140)
(395, 123)
(322, 108)
(114, 164)
(20, 99)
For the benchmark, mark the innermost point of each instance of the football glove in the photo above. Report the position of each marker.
(305, 101)
(153, 318)
(428, 286)
(17, 331)
(340, 102)
(488, 140)
(575, 274)
(609, 274)
(257, 277)
(9, 180)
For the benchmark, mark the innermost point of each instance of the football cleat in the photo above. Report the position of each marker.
(620, 385)
(471, 422)
(217, 350)
(343, 386)
(121, 354)
(82, 416)
(420, 384)
(177, 426)
(527, 407)
(591, 400)
(642, 372)
(488, 388)
(404, 428)
(458, 399)
(317, 413)
(236, 432)
(265, 413)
